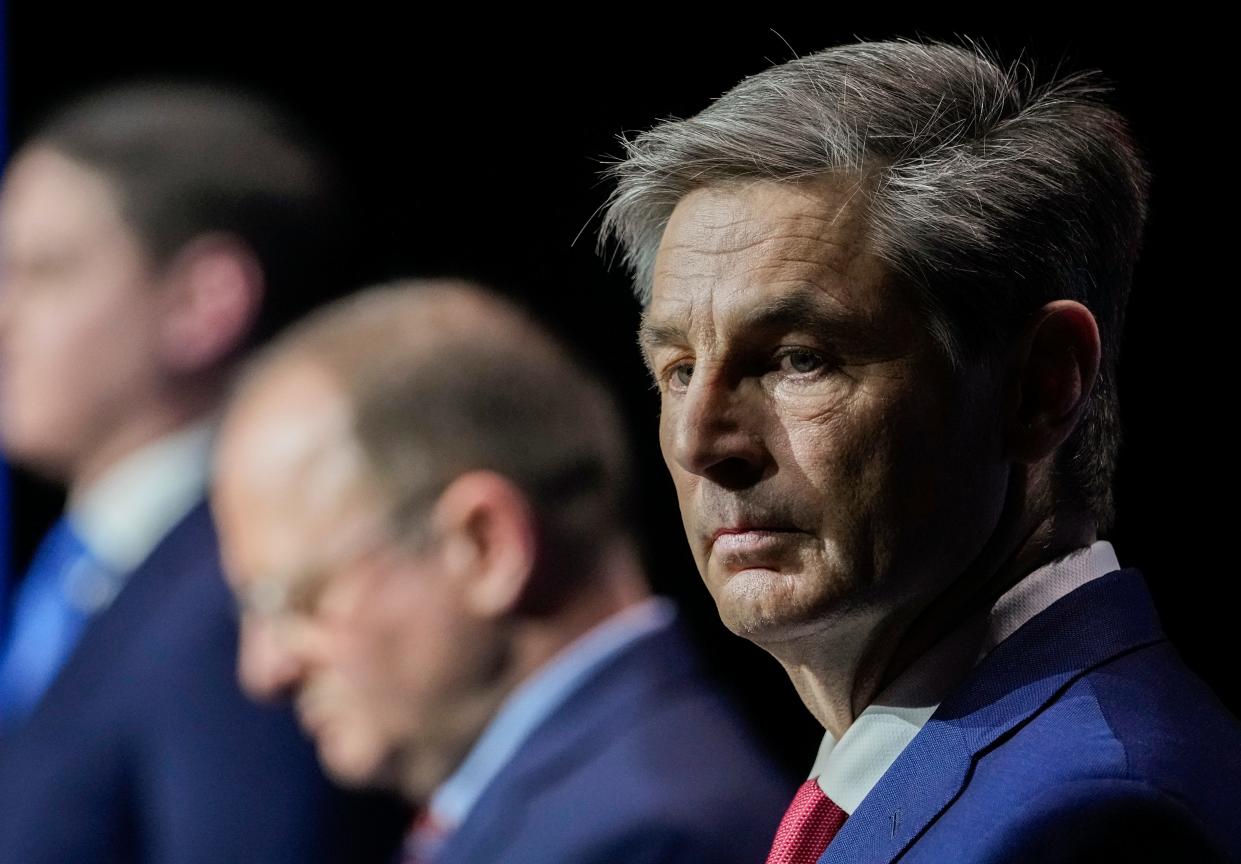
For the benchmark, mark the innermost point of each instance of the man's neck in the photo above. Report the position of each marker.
(516, 653)
(617, 584)
(139, 430)
(853, 659)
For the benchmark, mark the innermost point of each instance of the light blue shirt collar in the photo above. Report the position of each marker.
(536, 699)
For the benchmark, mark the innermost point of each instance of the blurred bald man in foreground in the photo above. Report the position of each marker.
(422, 503)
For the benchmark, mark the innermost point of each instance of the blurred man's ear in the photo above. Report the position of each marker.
(212, 291)
(488, 541)
(1053, 369)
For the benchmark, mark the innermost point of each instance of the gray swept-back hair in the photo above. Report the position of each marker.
(989, 195)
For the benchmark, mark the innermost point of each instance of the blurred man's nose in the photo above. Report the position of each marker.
(268, 666)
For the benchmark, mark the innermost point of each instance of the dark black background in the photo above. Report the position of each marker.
(474, 144)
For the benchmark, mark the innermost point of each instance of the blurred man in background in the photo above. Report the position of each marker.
(422, 506)
(148, 236)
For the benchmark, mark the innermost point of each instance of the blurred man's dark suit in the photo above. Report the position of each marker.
(143, 748)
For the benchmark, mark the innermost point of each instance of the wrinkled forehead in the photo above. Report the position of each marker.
(803, 249)
(732, 216)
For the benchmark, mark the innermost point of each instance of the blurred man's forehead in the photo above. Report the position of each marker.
(289, 471)
(290, 419)
(48, 197)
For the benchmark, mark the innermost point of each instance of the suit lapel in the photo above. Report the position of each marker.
(1024, 674)
(138, 604)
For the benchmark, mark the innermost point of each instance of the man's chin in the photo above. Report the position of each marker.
(351, 763)
(34, 452)
(768, 607)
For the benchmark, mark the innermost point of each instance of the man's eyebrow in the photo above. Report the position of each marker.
(652, 335)
(801, 310)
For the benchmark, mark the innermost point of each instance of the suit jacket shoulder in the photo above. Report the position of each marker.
(646, 762)
(1082, 735)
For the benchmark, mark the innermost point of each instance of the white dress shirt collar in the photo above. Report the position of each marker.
(123, 515)
(536, 699)
(849, 768)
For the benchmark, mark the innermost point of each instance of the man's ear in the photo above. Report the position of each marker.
(488, 541)
(212, 291)
(1052, 372)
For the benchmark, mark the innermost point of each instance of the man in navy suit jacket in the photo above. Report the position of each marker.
(884, 286)
(148, 235)
(421, 499)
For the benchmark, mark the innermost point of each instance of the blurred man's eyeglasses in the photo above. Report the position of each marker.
(296, 594)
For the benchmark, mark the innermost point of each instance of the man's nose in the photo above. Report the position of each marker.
(268, 665)
(6, 303)
(717, 430)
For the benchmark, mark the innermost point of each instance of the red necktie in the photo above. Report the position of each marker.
(809, 824)
(425, 839)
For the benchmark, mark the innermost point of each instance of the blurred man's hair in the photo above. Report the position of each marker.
(188, 160)
(444, 378)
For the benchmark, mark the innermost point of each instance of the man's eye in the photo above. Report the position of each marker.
(801, 361)
(679, 376)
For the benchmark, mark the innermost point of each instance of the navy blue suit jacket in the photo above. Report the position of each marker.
(145, 750)
(646, 762)
(1082, 737)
